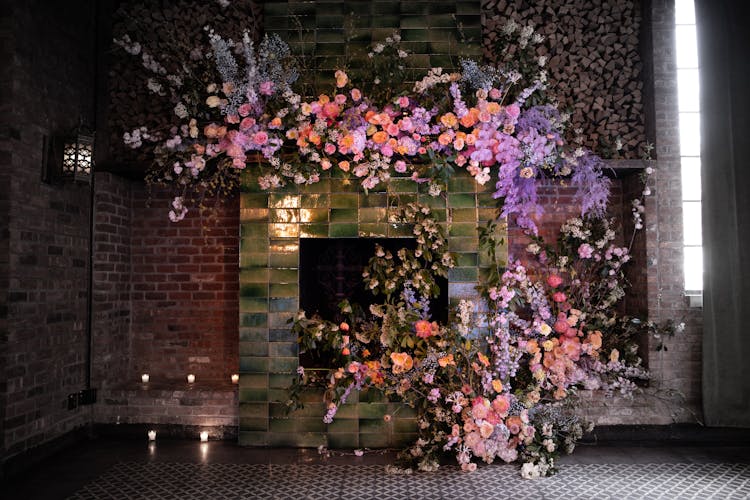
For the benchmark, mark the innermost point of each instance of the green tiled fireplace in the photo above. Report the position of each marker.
(271, 227)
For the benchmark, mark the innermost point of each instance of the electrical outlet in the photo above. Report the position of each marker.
(72, 401)
(87, 397)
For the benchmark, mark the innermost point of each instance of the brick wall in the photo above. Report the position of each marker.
(51, 77)
(185, 285)
(112, 271)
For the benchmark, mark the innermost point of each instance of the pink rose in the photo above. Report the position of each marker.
(356, 94)
(244, 109)
(329, 148)
(513, 110)
(340, 99)
(260, 138)
(400, 166)
(247, 123)
(331, 110)
(558, 297)
(561, 325)
(554, 280)
(423, 329)
(403, 101)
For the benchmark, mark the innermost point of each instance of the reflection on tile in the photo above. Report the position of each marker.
(283, 201)
(284, 230)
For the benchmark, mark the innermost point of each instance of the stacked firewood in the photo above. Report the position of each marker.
(594, 63)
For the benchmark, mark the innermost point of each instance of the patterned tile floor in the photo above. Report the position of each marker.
(111, 469)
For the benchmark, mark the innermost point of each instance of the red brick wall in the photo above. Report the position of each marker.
(185, 285)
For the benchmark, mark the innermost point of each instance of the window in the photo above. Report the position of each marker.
(690, 143)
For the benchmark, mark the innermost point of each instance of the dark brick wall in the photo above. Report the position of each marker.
(185, 285)
(111, 322)
(51, 74)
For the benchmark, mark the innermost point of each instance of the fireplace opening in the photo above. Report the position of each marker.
(331, 270)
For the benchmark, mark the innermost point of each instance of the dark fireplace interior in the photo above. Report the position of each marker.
(331, 271)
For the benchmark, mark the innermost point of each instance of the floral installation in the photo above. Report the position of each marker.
(499, 385)
(498, 382)
(493, 123)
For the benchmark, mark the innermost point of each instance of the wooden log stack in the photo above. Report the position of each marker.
(594, 62)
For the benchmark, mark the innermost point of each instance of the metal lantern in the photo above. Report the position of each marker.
(78, 157)
(68, 158)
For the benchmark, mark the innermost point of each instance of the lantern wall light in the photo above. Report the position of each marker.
(68, 158)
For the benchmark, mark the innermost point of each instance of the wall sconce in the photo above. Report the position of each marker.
(68, 158)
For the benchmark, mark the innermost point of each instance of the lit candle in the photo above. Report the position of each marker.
(235, 378)
(204, 436)
(145, 378)
(191, 378)
(152, 435)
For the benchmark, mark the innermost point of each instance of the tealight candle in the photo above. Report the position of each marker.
(145, 378)
(204, 436)
(152, 435)
(191, 378)
(235, 378)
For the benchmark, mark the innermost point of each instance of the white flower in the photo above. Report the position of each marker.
(529, 471)
(378, 48)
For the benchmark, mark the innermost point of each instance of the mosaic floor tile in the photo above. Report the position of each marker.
(168, 480)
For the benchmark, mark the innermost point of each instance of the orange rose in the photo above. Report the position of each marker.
(447, 360)
(402, 362)
(379, 137)
(449, 120)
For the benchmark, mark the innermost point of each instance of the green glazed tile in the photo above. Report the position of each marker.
(402, 199)
(287, 259)
(254, 319)
(253, 200)
(253, 424)
(344, 186)
(254, 275)
(284, 275)
(463, 229)
(252, 245)
(344, 425)
(308, 215)
(278, 410)
(284, 290)
(344, 200)
(433, 201)
(375, 440)
(254, 381)
(281, 200)
(281, 425)
(373, 214)
(279, 230)
(251, 395)
(253, 410)
(402, 186)
(253, 305)
(463, 244)
(463, 274)
(485, 200)
(348, 411)
(462, 200)
(371, 395)
(248, 259)
(459, 184)
(254, 230)
(254, 215)
(343, 230)
(316, 200)
(253, 334)
(254, 349)
(464, 214)
(283, 365)
(313, 230)
(280, 380)
(322, 186)
(278, 320)
(283, 305)
(343, 441)
(339, 215)
(368, 425)
(284, 215)
(491, 214)
(466, 259)
(372, 410)
(374, 200)
(280, 349)
(253, 438)
(313, 424)
(254, 290)
(249, 364)
(282, 335)
(403, 440)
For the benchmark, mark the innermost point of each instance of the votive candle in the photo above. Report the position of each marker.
(235, 378)
(152, 435)
(145, 378)
(204, 436)
(191, 378)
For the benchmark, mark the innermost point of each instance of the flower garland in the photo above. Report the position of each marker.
(251, 117)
